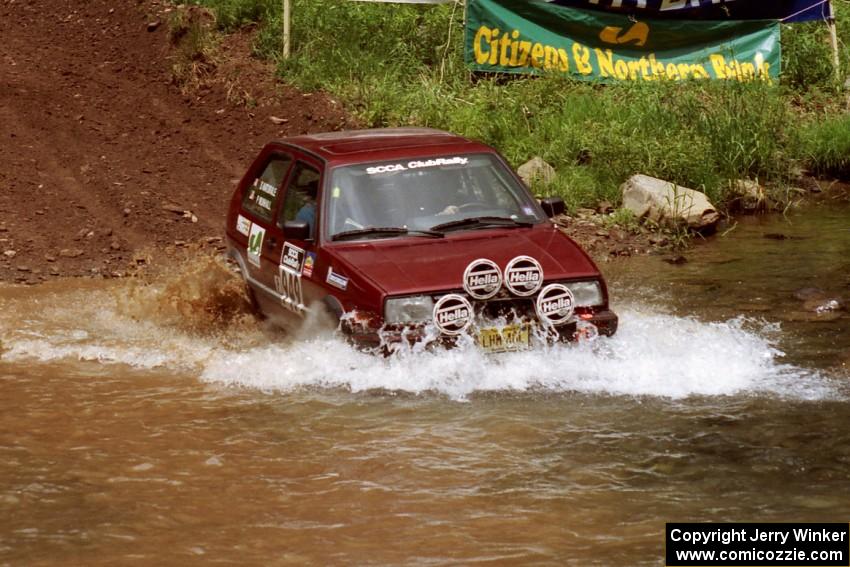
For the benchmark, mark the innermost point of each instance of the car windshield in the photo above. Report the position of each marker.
(425, 194)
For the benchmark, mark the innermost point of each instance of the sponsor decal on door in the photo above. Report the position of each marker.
(255, 244)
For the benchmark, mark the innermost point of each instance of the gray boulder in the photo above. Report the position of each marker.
(751, 196)
(668, 204)
(535, 171)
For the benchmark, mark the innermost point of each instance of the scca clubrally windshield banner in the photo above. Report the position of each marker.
(537, 37)
(785, 10)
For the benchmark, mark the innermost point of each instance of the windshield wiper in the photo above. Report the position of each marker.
(385, 230)
(481, 222)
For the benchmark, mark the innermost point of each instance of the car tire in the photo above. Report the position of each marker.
(333, 308)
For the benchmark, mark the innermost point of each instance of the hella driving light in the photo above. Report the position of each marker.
(586, 294)
(414, 309)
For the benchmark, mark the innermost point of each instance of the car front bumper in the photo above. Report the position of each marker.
(388, 338)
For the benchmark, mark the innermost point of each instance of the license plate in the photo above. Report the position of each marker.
(505, 339)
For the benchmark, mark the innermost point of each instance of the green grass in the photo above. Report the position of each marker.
(403, 65)
(232, 14)
(807, 54)
(826, 146)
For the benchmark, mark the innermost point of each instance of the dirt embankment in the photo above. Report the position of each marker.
(102, 153)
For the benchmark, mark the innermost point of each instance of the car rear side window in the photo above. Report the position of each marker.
(261, 195)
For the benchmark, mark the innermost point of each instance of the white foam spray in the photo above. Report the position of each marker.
(653, 354)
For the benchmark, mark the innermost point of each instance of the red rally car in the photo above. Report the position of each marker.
(406, 235)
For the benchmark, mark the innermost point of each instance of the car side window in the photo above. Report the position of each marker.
(301, 195)
(261, 195)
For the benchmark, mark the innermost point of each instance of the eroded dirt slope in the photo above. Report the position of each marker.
(97, 139)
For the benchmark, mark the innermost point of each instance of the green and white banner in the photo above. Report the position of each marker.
(536, 37)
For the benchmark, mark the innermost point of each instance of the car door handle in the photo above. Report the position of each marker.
(271, 242)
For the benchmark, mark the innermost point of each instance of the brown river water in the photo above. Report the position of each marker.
(151, 425)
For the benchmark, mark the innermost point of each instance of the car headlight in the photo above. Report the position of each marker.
(586, 294)
(415, 309)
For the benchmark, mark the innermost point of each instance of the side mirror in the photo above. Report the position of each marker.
(296, 230)
(553, 206)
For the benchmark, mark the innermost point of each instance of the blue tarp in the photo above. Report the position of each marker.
(784, 10)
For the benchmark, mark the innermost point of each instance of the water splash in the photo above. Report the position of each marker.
(175, 320)
(652, 355)
(197, 322)
(200, 296)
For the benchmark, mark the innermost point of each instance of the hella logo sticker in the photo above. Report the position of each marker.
(452, 314)
(523, 276)
(482, 279)
(555, 304)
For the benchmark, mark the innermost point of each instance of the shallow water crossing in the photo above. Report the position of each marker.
(138, 427)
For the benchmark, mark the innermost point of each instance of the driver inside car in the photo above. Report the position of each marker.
(446, 192)
(450, 210)
(307, 212)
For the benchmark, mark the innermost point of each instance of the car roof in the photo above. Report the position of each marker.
(361, 146)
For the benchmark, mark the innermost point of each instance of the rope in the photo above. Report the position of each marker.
(448, 40)
(821, 3)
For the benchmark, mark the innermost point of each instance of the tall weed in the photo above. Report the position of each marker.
(232, 14)
(826, 145)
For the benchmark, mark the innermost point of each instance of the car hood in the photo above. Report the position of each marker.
(405, 266)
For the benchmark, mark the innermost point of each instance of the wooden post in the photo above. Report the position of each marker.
(836, 59)
(286, 35)
(833, 40)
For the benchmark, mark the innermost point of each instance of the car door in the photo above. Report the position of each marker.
(296, 280)
(260, 201)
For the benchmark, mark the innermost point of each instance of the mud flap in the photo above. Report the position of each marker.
(238, 265)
